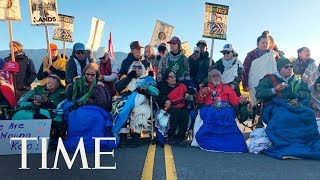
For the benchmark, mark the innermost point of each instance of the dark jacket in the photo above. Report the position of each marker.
(199, 67)
(41, 75)
(299, 67)
(71, 69)
(126, 63)
(27, 72)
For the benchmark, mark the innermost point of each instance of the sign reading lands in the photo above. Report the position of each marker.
(43, 12)
(19, 129)
(215, 21)
(64, 31)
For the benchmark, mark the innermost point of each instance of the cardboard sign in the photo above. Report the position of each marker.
(215, 21)
(161, 34)
(22, 128)
(64, 31)
(43, 12)
(95, 34)
(10, 10)
(186, 48)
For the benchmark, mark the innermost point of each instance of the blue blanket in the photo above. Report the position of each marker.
(293, 131)
(89, 121)
(219, 131)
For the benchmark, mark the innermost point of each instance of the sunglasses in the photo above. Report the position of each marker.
(79, 52)
(288, 66)
(226, 52)
(136, 67)
(88, 74)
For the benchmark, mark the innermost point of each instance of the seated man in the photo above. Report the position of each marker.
(215, 128)
(291, 123)
(133, 103)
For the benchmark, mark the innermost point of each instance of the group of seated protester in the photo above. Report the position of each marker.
(90, 111)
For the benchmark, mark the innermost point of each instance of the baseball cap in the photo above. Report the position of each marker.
(201, 42)
(78, 47)
(175, 40)
(227, 47)
(135, 45)
(53, 46)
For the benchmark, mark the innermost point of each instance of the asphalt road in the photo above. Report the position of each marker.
(187, 163)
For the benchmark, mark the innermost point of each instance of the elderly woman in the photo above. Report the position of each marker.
(7, 97)
(172, 94)
(86, 111)
(291, 123)
(108, 70)
(43, 102)
(215, 128)
(133, 102)
(258, 63)
(230, 68)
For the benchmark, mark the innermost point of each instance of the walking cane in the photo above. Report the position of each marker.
(151, 106)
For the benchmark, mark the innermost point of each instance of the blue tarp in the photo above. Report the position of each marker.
(293, 131)
(88, 121)
(219, 131)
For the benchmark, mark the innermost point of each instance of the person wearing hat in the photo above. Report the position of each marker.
(162, 50)
(175, 61)
(58, 66)
(291, 123)
(27, 73)
(134, 55)
(199, 61)
(230, 68)
(78, 60)
(108, 70)
(280, 84)
(6, 88)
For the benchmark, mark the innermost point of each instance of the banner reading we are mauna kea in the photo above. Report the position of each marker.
(215, 21)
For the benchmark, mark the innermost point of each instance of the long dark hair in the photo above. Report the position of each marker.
(265, 34)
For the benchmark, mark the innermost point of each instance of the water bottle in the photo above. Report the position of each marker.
(219, 102)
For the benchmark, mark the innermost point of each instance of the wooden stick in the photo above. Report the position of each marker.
(12, 76)
(64, 49)
(211, 52)
(94, 36)
(48, 45)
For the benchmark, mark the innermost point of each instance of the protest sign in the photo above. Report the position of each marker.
(43, 12)
(186, 48)
(95, 34)
(161, 34)
(10, 10)
(22, 128)
(64, 30)
(215, 21)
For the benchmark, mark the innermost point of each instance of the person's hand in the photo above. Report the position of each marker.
(100, 83)
(89, 100)
(280, 87)
(75, 78)
(167, 105)
(247, 89)
(49, 71)
(243, 99)
(186, 96)
(132, 74)
(205, 91)
(100, 78)
(37, 103)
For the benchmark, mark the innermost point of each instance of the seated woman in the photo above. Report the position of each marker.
(85, 112)
(172, 94)
(134, 89)
(215, 128)
(7, 97)
(45, 98)
(291, 123)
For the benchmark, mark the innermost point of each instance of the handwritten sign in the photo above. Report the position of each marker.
(22, 128)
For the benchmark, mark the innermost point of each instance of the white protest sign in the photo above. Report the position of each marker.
(19, 129)
(43, 12)
(10, 10)
(161, 34)
(186, 48)
(95, 34)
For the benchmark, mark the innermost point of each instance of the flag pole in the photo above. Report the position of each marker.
(12, 76)
(48, 44)
(211, 52)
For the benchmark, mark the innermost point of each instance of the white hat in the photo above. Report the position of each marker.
(101, 52)
(227, 47)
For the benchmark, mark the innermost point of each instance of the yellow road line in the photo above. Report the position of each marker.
(149, 162)
(171, 173)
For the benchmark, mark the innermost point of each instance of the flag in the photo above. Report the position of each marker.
(110, 47)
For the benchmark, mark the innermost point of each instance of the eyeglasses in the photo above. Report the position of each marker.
(288, 66)
(136, 67)
(215, 75)
(226, 52)
(79, 52)
(88, 74)
(172, 76)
